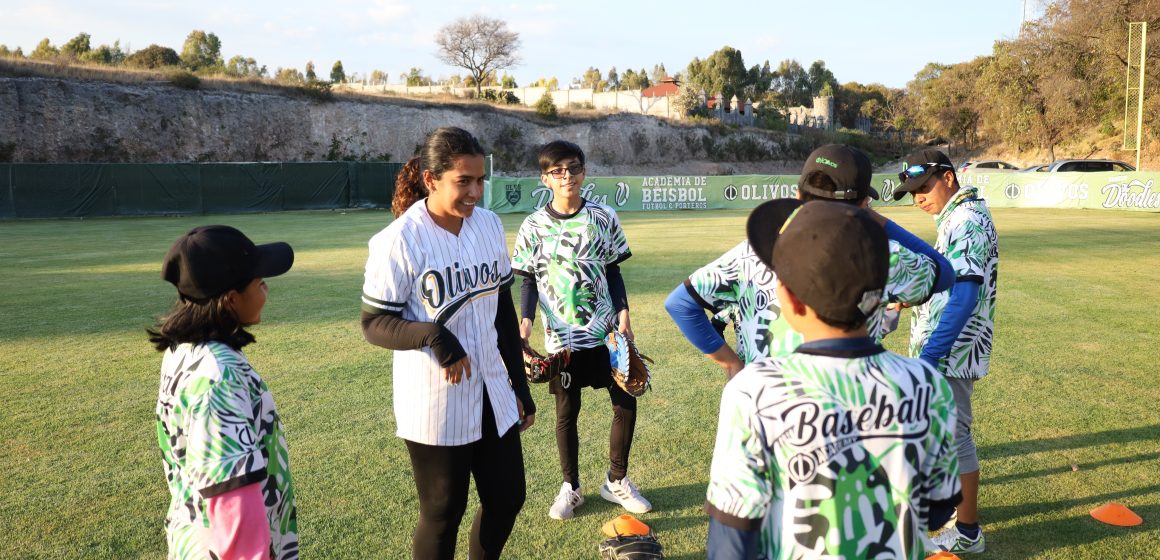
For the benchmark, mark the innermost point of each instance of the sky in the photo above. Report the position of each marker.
(884, 42)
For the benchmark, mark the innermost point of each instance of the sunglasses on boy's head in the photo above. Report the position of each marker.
(917, 170)
(574, 170)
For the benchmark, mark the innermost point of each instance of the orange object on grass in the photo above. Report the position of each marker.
(942, 555)
(1116, 514)
(625, 526)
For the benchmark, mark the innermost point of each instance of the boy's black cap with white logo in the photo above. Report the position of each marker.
(932, 159)
(832, 256)
(849, 168)
(212, 260)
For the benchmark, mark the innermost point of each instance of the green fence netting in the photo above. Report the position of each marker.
(55, 190)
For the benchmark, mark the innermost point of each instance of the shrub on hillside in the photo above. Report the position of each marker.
(318, 90)
(500, 97)
(184, 79)
(546, 107)
(153, 56)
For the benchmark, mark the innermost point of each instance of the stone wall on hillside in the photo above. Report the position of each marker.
(55, 120)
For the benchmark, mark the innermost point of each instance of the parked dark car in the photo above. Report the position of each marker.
(1089, 165)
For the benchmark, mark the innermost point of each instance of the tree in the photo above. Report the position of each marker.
(758, 81)
(415, 77)
(854, 101)
(478, 44)
(76, 47)
(613, 79)
(289, 76)
(201, 51)
(792, 84)
(242, 67)
(153, 56)
(722, 73)
(592, 79)
(633, 80)
(508, 82)
(658, 73)
(44, 51)
(105, 54)
(689, 102)
(820, 77)
(378, 77)
(311, 76)
(337, 75)
(548, 83)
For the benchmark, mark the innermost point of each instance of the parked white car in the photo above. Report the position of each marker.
(987, 166)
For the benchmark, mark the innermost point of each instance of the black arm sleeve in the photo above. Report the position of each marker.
(397, 333)
(616, 287)
(529, 298)
(507, 332)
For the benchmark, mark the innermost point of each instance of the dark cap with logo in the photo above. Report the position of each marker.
(847, 167)
(212, 260)
(834, 257)
(932, 161)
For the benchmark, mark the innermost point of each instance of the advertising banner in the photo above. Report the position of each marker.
(1121, 191)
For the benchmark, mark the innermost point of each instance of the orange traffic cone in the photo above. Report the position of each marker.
(942, 555)
(1116, 514)
(625, 526)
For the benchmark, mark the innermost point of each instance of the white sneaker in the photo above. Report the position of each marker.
(566, 501)
(624, 492)
(951, 540)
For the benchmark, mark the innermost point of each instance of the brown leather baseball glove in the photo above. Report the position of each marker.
(540, 369)
(629, 367)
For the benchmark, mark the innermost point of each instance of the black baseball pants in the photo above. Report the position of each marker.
(442, 478)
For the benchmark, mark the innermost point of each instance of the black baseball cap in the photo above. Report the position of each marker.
(831, 255)
(212, 260)
(848, 167)
(930, 161)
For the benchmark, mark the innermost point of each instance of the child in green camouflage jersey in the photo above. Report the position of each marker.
(739, 281)
(569, 254)
(953, 331)
(840, 449)
(225, 457)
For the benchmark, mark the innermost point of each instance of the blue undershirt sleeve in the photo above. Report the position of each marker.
(946, 273)
(729, 543)
(691, 319)
(964, 296)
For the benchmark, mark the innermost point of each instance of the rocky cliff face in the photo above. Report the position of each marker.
(57, 120)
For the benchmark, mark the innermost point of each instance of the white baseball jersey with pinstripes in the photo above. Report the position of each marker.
(422, 272)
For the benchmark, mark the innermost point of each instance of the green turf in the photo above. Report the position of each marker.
(1066, 421)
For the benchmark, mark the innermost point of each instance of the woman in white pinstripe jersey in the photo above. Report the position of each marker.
(437, 292)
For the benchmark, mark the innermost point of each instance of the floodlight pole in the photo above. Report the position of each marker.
(1137, 40)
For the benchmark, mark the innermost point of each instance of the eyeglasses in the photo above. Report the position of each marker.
(917, 170)
(573, 170)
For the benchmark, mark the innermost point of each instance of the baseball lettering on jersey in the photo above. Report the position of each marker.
(836, 456)
(456, 285)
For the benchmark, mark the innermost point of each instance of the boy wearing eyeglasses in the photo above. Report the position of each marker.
(953, 331)
(569, 253)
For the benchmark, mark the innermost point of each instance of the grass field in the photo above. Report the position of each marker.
(1066, 421)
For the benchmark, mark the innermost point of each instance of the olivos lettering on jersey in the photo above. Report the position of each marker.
(825, 433)
(445, 291)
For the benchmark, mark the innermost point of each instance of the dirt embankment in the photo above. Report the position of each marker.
(60, 120)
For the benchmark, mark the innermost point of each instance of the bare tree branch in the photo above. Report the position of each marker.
(478, 44)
